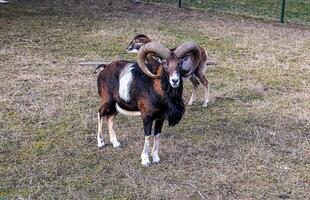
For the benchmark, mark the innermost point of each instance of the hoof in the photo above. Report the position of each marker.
(116, 144)
(146, 164)
(145, 160)
(100, 144)
(156, 158)
(156, 161)
(118, 147)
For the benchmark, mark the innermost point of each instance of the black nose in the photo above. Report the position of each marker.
(175, 80)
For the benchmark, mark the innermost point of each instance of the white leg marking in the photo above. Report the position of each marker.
(194, 92)
(100, 142)
(206, 97)
(155, 149)
(125, 82)
(145, 161)
(112, 134)
(115, 142)
(193, 97)
(99, 135)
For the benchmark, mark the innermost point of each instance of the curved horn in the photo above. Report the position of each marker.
(189, 47)
(151, 47)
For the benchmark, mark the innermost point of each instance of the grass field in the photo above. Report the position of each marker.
(252, 142)
(295, 11)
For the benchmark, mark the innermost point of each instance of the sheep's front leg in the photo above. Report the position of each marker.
(157, 131)
(147, 124)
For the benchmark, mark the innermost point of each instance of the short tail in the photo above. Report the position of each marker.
(99, 68)
(194, 79)
(210, 62)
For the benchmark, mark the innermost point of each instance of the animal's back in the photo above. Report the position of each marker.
(108, 78)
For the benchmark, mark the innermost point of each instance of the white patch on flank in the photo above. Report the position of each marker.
(125, 82)
(155, 150)
(126, 112)
(145, 153)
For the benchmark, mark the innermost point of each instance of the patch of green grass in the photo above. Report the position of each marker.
(296, 11)
(8, 194)
(114, 46)
(226, 45)
(282, 80)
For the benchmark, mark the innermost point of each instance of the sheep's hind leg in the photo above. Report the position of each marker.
(113, 139)
(206, 96)
(194, 93)
(100, 140)
(205, 83)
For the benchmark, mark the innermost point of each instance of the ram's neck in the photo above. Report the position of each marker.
(175, 105)
(158, 83)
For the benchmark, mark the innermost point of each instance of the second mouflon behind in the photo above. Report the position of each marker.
(196, 75)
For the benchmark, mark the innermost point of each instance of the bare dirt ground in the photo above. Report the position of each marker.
(252, 142)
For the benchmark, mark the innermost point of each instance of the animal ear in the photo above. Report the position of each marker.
(158, 59)
(165, 64)
(129, 47)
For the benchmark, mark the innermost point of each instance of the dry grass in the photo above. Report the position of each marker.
(252, 142)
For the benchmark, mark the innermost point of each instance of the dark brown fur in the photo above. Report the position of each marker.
(149, 96)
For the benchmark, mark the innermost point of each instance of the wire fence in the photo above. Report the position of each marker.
(297, 11)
